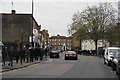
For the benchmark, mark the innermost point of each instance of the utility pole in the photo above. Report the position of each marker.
(32, 7)
(32, 22)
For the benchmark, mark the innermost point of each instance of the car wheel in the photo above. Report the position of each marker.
(117, 72)
(104, 61)
(109, 64)
(75, 58)
(50, 56)
(65, 58)
(113, 67)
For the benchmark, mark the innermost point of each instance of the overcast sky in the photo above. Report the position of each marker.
(53, 15)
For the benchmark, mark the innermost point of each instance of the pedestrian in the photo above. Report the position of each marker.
(22, 55)
(4, 54)
(46, 52)
(42, 52)
(103, 51)
(37, 52)
(32, 51)
(11, 55)
(17, 53)
(100, 51)
(27, 54)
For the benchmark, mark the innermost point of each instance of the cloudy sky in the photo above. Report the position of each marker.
(53, 15)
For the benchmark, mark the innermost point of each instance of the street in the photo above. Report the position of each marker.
(84, 67)
(34, 31)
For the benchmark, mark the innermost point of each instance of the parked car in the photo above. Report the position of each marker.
(54, 54)
(71, 55)
(108, 55)
(116, 63)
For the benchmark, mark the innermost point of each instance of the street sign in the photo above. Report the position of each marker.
(35, 31)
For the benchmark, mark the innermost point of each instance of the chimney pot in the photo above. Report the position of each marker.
(13, 11)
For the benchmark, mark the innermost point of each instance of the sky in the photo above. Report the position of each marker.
(53, 15)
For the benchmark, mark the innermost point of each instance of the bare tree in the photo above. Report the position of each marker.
(95, 20)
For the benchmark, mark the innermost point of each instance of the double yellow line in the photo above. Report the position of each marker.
(18, 69)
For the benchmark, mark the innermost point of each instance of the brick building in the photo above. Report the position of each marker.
(76, 42)
(45, 38)
(17, 28)
(61, 42)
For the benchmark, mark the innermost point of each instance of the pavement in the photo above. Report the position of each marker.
(18, 65)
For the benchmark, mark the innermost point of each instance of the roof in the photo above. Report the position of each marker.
(113, 47)
(58, 37)
(21, 15)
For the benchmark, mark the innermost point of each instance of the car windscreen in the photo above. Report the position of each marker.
(54, 52)
(118, 53)
(112, 51)
(71, 52)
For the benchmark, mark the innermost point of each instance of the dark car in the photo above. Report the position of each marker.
(54, 54)
(71, 55)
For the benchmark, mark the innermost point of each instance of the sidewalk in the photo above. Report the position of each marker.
(18, 65)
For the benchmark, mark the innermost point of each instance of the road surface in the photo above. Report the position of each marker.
(84, 67)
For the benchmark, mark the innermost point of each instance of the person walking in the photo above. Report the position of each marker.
(46, 52)
(31, 51)
(42, 52)
(17, 53)
(11, 55)
(22, 55)
(27, 53)
(37, 52)
(4, 54)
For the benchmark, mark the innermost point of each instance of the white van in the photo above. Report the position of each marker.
(1, 44)
(108, 55)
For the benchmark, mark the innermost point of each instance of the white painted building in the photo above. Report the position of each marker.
(90, 44)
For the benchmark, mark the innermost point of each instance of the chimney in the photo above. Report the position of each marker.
(13, 11)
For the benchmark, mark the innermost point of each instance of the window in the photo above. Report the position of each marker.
(52, 43)
(55, 43)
